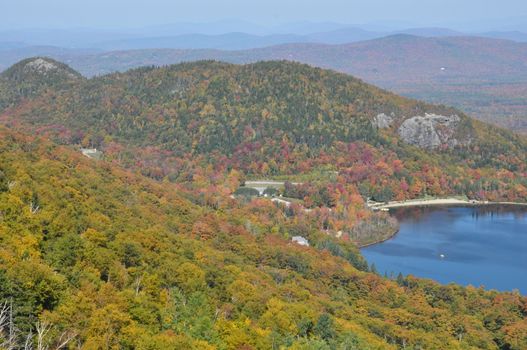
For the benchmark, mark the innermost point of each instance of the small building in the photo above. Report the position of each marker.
(300, 240)
(91, 153)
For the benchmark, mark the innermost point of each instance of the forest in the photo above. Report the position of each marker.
(205, 123)
(148, 249)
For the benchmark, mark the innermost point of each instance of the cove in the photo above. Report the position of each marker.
(480, 246)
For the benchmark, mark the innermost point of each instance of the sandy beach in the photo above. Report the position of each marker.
(434, 202)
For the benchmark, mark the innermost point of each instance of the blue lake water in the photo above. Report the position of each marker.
(480, 246)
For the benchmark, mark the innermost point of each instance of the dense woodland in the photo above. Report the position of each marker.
(147, 249)
(205, 123)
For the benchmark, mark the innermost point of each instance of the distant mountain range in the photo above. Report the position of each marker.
(224, 36)
(389, 60)
(512, 35)
(241, 41)
(229, 41)
(483, 73)
(487, 78)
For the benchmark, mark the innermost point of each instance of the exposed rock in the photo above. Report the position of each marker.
(47, 66)
(300, 240)
(382, 121)
(41, 65)
(430, 131)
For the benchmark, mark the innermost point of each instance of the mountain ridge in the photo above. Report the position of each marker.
(172, 261)
(249, 117)
(99, 244)
(113, 257)
(483, 77)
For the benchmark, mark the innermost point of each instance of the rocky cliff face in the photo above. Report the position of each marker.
(430, 131)
(383, 121)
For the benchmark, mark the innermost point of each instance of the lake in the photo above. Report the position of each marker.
(481, 246)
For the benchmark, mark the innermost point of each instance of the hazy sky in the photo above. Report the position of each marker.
(138, 13)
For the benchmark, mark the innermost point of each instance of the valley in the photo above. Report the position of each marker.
(150, 246)
(263, 175)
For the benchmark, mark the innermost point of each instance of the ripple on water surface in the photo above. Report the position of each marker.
(481, 246)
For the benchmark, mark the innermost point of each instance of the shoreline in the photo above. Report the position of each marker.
(438, 202)
(379, 241)
(431, 202)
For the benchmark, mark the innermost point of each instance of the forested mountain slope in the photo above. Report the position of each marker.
(278, 118)
(33, 76)
(208, 124)
(110, 259)
(484, 77)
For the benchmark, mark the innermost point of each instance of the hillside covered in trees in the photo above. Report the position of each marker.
(484, 77)
(108, 259)
(272, 119)
(149, 249)
(205, 124)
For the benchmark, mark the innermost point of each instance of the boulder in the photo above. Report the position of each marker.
(430, 131)
(382, 121)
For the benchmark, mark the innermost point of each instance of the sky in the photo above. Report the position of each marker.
(17, 14)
